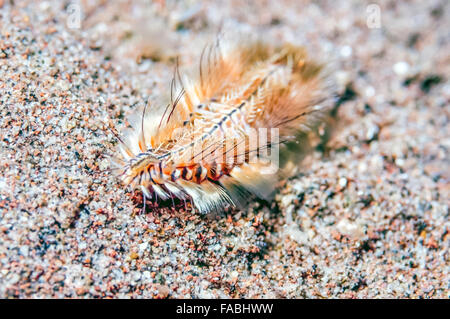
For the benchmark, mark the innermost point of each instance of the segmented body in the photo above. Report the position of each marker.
(203, 147)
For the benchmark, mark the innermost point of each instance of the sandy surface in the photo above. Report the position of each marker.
(369, 217)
